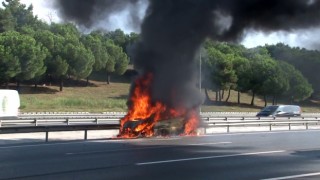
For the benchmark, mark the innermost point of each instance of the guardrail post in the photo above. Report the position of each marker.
(270, 127)
(47, 136)
(68, 121)
(228, 128)
(35, 122)
(85, 134)
(289, 126)
(96, 119)
(307, 126)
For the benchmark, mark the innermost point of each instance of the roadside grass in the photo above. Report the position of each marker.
(100, 97)
(308, 106)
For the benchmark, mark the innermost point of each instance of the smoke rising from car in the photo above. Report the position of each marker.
(173, 30)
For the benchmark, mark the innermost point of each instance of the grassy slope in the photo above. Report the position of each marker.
(245, 106)
(100, 97)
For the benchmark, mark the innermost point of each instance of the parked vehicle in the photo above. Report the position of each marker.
(9, 104)
(280, 111)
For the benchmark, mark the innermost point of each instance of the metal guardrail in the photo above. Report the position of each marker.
(123, 113)
(254, 122)
(87, 122)
(50, 124)
(47, 129)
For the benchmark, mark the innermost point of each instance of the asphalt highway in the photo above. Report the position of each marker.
(263, 155)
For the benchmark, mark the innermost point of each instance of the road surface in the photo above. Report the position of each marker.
(259, 155)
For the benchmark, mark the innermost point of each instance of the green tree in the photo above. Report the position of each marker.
(306, 61)
(57, 66)
(100, 55)
(19, 14)
(7, 21)
(80, 60)
(68, 31)
(133, 38)
(118, 37)
(71, 50)
(299, 87)
(219, 64)
(27, 30)
(31, 55)
(262, 67)
(117, 62)
(275, 85)
(94, 43)
(9, 65)
(244, 72)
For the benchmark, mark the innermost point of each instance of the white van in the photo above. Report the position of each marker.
(9, 104)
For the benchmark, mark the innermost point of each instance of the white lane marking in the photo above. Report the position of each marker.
(210, 157)
(166, 139)
(294, 176)
(200, 144)
(263, 132)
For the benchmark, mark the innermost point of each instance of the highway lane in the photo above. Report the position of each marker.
(222, 156)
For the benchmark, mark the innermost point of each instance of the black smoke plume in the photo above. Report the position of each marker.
(173, 31)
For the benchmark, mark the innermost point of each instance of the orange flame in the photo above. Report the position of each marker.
(143, 114)
(191, 123)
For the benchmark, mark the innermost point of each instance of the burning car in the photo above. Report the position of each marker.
(144, 113)
(144, 128)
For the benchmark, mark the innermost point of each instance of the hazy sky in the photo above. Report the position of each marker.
(43, 9)
(309, 38)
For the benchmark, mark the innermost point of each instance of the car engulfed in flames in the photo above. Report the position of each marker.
(144, 115)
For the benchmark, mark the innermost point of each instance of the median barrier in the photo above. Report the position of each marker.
(72, 123)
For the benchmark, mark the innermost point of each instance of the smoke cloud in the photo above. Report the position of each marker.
(173, 30)
(103, 13)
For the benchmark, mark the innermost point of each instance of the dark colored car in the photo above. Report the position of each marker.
(280, 111)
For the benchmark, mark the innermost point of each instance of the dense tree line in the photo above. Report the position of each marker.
(256, 70)
(306, 61)
(31, 49)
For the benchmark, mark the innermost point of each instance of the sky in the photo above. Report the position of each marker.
(307, 38)
(43, 9)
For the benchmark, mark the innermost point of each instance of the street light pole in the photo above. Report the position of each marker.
(200, 77)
